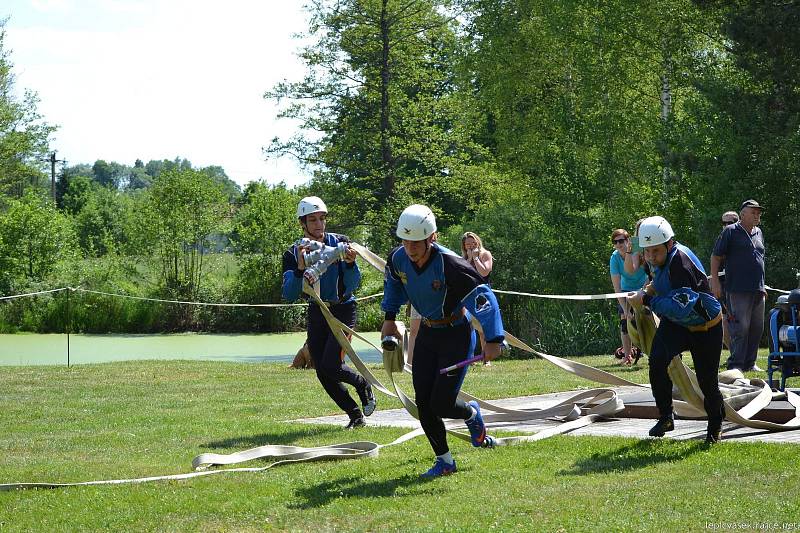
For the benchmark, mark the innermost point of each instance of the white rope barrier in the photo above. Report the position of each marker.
(15, 296)
(182, 302)
(609, 296)
(577, 297)
(767, 287)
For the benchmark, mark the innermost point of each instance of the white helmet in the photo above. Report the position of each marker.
(311, 204)
(416, 223)
(653, 231)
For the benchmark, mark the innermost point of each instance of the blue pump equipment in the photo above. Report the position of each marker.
(784, 328)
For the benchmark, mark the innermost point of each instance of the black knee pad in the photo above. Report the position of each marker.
(623, 325)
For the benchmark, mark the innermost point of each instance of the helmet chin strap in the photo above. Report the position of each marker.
(428, 243)
(424, 257)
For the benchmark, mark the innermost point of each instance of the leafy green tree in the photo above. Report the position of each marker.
(578, 102)
(379, 108)
(24, 136)
(264, 227)
(34, 237)
(179, 213)
(112, 175)
(65, 178)
(100, 216)
(155, 167)
(78, 191)
(217, 173)
(138, 178)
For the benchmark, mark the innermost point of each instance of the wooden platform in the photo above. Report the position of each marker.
(640, 404)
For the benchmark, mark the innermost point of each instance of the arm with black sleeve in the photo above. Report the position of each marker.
(466, 289)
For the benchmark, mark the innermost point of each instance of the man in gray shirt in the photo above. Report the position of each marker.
(740, 247)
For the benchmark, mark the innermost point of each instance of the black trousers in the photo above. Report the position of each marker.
(328, 357)
(705, 347)
(437, 394)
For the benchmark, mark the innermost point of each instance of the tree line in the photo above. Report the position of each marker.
(539, 125)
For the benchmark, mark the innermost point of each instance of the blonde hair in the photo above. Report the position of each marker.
(463, 240)
(617, 232)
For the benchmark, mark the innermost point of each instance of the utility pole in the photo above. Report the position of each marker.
(53, 162)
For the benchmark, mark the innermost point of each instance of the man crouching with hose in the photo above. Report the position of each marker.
(446, 291)
(690, 320)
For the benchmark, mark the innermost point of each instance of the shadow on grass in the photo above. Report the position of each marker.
(289, 436)
(324, 493)
(641, 454)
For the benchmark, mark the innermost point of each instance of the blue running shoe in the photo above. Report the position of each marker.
(439, 468)
(476, 428)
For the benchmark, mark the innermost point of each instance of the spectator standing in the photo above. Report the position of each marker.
(728, 218)
(740, 247)
(624, 282)
(476, 255)
(482, 261)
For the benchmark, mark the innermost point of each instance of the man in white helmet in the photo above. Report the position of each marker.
(336, 285)
(690, 320)
(446, 291)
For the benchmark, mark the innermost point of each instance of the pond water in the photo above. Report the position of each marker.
(51, 349)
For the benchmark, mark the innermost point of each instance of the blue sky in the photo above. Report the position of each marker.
(156, 79)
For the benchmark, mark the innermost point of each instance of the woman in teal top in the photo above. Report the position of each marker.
(624, 282)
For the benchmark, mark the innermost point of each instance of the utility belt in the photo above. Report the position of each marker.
(707, 326)
(452, 320)
(333, 303)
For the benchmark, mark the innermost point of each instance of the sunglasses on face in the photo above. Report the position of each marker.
(619, 241)
(728, 222)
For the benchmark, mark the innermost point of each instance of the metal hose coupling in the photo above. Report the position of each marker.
(389, 343)
(318, 261)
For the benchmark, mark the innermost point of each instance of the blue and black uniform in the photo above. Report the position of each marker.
(446, 291)
(337, 284)
(690, 320)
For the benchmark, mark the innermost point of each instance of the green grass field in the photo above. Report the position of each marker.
(146, 418)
